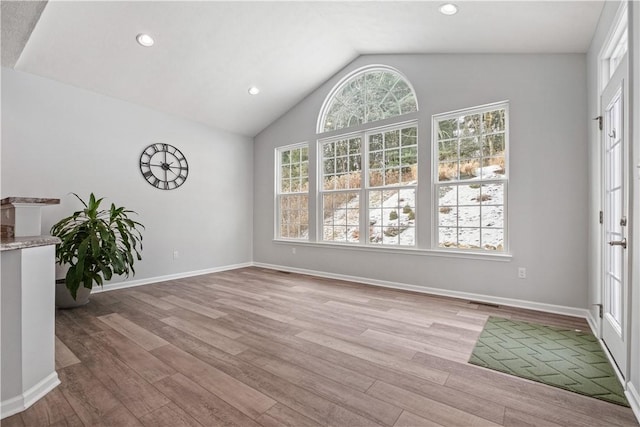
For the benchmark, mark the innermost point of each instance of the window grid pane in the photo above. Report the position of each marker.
(471, 179)
(393, 157)
(367, 97)
(341, 216)
(292, 198)
(294, 170)
(341, 172)
(341, 164)
(472, 146)
(294, 216)
(471, 216)
(392, 216)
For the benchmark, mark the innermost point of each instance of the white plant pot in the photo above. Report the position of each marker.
(64, 298)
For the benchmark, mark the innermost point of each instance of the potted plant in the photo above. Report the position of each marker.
(96, 243)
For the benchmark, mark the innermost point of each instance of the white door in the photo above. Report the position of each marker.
(615, 198)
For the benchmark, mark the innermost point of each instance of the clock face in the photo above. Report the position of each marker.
(164, 166)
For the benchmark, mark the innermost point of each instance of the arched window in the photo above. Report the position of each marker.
(368, 95)
(368, 178)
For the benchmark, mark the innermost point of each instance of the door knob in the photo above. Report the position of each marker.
(622, 243)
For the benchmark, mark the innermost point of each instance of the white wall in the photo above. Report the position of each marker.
(547, 190)
(58, 139)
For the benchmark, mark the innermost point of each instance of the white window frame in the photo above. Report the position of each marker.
(614, 48)
(365, 189)
(322, 192)
(279, 194)
(324, 110)
(393, 187)
(436, 184)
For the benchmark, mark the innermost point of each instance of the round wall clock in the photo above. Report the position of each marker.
(164, 166)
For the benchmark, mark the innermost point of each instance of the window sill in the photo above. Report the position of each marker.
(503, 257)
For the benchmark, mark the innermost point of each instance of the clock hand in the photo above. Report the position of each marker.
(161, 164)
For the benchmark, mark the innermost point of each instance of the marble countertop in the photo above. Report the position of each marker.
(14, 243)
(29, 201)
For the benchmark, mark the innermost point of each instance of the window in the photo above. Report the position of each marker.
(393, 178)
(368, 179)
(367, 174)
(388, 193)
(618, 53)
(615, 46)
(341, 183)
(370, 95)
(293, 192)
(470, 164)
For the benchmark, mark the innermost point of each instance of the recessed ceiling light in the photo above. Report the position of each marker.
(448, 9)
(145, 40)
(254, 90)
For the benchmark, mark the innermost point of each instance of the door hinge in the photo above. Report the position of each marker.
(601, 217)
(600, 310)
(599, 119)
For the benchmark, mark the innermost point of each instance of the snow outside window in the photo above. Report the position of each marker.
(341, 175)
(366, 176)
(292, 192)
(379, 209)
(393, 178)
(470, 175)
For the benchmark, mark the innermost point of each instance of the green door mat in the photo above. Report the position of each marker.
(562, 358)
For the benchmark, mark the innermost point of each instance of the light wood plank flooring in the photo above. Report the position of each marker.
(255, 347)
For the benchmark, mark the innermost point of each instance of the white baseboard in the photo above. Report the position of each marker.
(611, 360)
(634, 399)
(20, 403)
(133, 283)
(594, 324)
(548, 308)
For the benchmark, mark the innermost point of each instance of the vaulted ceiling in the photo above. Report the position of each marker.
(207, 54)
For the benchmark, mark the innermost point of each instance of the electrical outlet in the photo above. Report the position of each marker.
(522, 273)
(293, 251)
(176, 254)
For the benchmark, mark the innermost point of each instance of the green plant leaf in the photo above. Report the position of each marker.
(97, 243)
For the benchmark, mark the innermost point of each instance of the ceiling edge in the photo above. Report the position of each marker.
(18, 18)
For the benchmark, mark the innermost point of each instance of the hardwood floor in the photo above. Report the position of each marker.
(255, 347)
